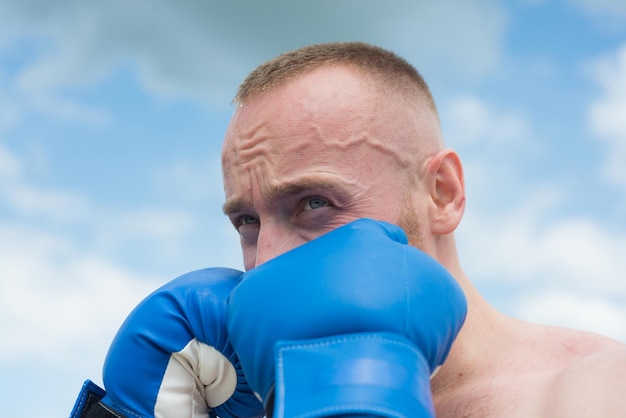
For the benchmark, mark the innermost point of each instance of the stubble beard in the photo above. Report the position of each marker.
(407, 220)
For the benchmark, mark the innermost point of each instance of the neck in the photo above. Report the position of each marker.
(484, 328)
(478, 347)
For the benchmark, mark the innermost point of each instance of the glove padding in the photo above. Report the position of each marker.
(360, 278)
(172, 356)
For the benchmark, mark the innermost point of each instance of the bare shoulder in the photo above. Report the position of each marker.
(539, 371)
(591, 386)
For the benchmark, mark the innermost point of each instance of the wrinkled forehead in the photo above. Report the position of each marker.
(332, 111)
(281, 149)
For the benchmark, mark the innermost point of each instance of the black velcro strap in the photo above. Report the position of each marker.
(96, 409)
(88, 404)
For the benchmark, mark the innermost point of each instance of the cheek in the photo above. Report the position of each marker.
(378, 205)
(327, 224)
(249, 256)
(248, 249)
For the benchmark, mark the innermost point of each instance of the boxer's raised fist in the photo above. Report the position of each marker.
(353, 322)
(172, 357)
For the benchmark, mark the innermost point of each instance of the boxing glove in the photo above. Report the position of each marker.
(352, 323)
(172, 357)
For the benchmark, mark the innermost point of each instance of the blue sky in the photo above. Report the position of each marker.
(111, 120)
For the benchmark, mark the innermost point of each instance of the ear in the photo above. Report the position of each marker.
(447, 191)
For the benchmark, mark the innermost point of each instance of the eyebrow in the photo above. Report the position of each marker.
(290, 188)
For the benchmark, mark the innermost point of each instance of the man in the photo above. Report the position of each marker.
(331, 133)
(323, 137)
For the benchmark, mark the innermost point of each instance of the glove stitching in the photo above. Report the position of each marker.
(345, 407)
(115, 413)
(86, 398)
(366, 336)
(359, 337)
(122, 408)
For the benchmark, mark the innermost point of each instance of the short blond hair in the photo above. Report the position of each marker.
(381, 64)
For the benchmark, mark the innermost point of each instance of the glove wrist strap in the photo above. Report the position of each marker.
(360, 375)
(88, 403)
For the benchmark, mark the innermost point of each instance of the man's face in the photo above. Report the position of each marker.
(310, 156)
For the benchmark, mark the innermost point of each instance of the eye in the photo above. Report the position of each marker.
(247, 220)
(315, 203)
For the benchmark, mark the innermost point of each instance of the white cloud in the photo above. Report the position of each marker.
(10, 164)
(453, 34)
(71, 269)
(609, 10)
(53, 291)
(203, 49)
(109, 230)
(606, 115)
(157, 223)
(191, 180)
(68, 110)
(60, 306)
(54, 286)
(471, 122)
(496, 145)
(578, 310)
(10, 112)
(515, 234)
(527, 245)
(61, 280)
(565, 271)
(60, 205)
(69, 277)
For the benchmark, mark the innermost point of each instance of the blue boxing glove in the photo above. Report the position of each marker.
(172, 357)
(353, 323)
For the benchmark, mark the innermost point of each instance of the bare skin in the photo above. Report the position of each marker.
(327, 148)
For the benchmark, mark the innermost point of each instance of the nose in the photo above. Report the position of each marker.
(274, 240)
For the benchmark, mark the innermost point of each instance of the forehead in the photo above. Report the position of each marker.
(331, 110)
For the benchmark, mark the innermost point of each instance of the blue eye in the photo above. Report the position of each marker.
(248, 220)
(315, 203)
